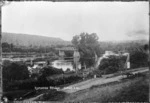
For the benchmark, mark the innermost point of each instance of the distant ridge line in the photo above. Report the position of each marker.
(34, 40)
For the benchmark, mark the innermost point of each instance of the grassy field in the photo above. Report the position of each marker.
(129, 90)
(52, 95)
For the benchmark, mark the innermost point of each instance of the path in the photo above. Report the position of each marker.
(97, 81)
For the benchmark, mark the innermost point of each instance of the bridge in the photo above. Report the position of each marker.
(75, 57)
(26, 55)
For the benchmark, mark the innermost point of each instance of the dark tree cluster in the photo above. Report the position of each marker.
(13, 72)
(88, 47)
(138, 59)
(112, 64)
(50, 71)
(6, 47)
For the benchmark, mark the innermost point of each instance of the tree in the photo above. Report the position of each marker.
(15, 71)
(50, 71)
(6, 47)
(46, 72)
(75, 40)
(138, 59)
(88, 46)
(112, 64)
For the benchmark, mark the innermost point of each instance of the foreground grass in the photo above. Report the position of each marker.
(137, 92)
(52, 95)
(127, 90)
(11, 95)
(130, 90)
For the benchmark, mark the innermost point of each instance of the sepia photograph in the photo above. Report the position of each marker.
(74, 51)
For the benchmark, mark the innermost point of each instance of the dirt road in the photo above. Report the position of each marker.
(89, 83)
(97, 81)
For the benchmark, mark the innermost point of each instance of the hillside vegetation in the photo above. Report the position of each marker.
(28, 40)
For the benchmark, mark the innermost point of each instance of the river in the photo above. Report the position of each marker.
(64, 65)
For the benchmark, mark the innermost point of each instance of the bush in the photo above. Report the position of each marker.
(15, 71)
(42, 82)
(50, 71)
(20, 85)
(64, 80)
(112, 64)
(138, 59)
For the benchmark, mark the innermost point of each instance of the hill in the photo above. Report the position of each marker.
(34, 40)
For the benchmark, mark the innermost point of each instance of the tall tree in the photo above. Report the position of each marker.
(88, 47)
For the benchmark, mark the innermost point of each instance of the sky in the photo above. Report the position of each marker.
(109, 20)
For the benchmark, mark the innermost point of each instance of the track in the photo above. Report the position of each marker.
(98, 81)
